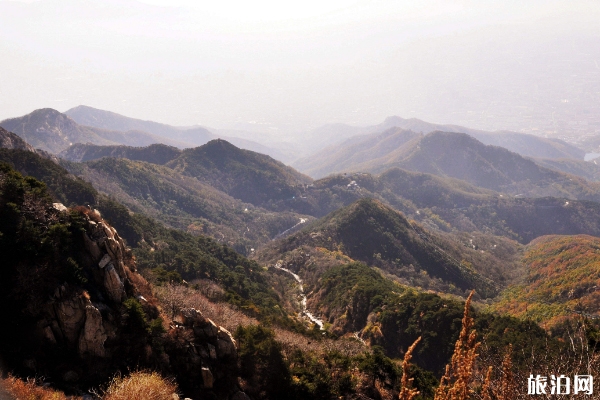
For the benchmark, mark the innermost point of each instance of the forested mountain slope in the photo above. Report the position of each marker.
(251, 177)
(563, 281)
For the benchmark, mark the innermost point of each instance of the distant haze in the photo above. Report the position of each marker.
(529, 66)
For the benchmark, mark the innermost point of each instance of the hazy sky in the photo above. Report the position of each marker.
(287, 67)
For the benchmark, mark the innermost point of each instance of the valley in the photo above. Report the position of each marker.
(312, 283)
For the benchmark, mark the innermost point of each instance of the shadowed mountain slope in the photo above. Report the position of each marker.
(184, 202)
(112, 121)
(521, 143)
(372, 232)
(251, 177)
(446, 203)
(52, 131)
(460, 156)
(155, 153)
(589, 170)
(378, 148)
(327, 138)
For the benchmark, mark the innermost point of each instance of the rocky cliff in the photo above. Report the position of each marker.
(76, 311)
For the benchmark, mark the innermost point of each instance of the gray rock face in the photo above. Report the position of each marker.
(190, 317)
(211, 347)
(104, 261)
(59, 207)
(92, 247)
(71, 317)
(212, 351)
(113, 284)
(226, 344)
(93, 335)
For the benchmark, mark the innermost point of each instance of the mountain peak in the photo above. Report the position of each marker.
(9, 140)
(50, 130)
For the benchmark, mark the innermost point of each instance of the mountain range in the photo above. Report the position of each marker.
(186, 136)
(401, 226)
(55, 132)
(455, 155)
(524, 144)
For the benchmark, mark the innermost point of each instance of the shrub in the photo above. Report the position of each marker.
(32, 390)
(135, 318)
(140, 385)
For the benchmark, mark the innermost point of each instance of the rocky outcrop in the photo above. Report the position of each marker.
(98, 316)
(93, 335)
(210, 350)
(71, 319)
(70, 315)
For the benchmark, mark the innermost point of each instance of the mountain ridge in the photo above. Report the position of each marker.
(188, 136)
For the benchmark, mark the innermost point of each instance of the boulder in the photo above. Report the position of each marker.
(49, 335)
(113, 249)
(59, 207)
(226, 343)
(104, 261)
(211, 329)
(190, 317)
(212, 351)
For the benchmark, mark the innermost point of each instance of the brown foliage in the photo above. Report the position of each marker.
(455, 384)
(408, 393)
(32, 390)
(509, 382)
(140, 385)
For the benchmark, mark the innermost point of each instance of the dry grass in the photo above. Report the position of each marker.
(456, 382)
(510, 383)
(408, 393)
(140, 385)
(32, 390)
(173, 298)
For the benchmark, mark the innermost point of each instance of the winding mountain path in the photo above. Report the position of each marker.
(302, 221)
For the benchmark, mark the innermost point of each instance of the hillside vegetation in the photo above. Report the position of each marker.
(184, 202)
(155, 153)
(371, 232)
(369, 271)
(563, 280)
(243, 174)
